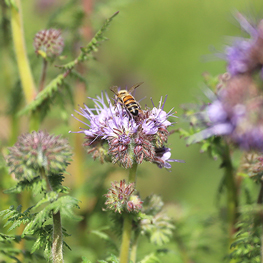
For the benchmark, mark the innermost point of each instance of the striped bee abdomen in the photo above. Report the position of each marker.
(131, 104)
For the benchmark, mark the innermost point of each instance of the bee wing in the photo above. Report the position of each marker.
(114, 89)
(135, 87)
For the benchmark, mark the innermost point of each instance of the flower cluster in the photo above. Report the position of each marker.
(236, 109)
(50, 42)
(120, 198)
(38, 150)
(114, 134)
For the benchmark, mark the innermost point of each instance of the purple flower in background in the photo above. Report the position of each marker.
(236, 113)
(113, 135)
(246, 55)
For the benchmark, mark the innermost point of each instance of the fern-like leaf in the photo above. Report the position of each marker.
(46, 94)
(64, 204)
(91, 47)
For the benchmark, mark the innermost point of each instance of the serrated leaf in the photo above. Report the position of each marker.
(46, 94)
(50, 197)
(91, 47)
(6, 238)
(64, 204)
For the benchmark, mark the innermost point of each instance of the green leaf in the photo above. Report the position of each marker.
(106, 238)
(6, 238)
(111, 259)
(36, 183)
(85, 260)
(11, 253)
(11, 3)
(64, 204)
(151, 258)
(158, 229)
(91, 47)
(46, 95)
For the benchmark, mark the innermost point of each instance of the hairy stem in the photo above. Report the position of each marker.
(232, 195)
(132, 174)
(126, 239)
(24, 69)
(57, 242)
(127, 224)
(43, 75)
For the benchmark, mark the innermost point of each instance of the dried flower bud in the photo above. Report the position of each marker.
(38, 150)
(120, 198)
(50, 42)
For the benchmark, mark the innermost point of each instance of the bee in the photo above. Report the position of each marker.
(125, 98)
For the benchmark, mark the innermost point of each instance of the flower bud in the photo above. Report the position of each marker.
(120, 198)
(38, 150)
(50, 42)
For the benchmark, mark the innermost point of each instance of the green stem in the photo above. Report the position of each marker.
(126, 239)
(57, 243)
(232, 195)
(134, 246)
(43, 75)
(127, 223)
(35, 120)
(132, 174)
(26, 77)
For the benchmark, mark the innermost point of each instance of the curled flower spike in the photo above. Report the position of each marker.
(112, 134)
(120, 198)
(38, 150)
(245, 55)
(50, 42)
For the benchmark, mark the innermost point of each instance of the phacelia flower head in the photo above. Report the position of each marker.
(245, 55)
(113, 134)
(50, 42)
(38, 150)
(236, 113)
(120, 198)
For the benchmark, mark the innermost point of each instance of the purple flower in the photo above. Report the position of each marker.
(238, 57)
(245, 55)
(113, 135)
(162, 158)
(236, 113)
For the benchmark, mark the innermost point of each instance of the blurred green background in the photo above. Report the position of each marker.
(166, 44)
